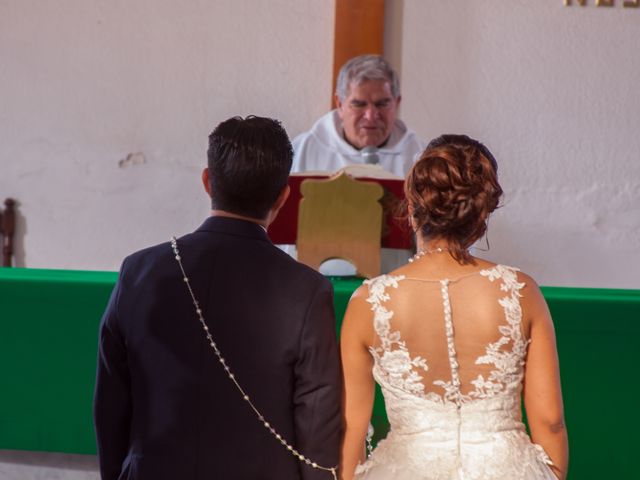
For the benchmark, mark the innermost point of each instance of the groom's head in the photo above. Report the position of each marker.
(248, 165)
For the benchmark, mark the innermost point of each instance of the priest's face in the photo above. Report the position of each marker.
(368, 113)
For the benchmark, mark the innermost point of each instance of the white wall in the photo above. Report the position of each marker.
(553, 92)
(84, 84)
(105, 109)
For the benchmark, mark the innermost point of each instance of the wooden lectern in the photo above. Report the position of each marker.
(325, 212)
(340, 217)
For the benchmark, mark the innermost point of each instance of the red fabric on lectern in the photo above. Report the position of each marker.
(284, 229)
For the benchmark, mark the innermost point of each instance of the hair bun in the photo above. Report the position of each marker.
(452, 189)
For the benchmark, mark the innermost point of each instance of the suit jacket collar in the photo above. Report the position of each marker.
(234, 226)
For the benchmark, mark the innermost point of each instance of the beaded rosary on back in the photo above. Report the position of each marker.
(232, 377)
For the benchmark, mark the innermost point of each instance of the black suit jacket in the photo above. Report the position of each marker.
(164, 407)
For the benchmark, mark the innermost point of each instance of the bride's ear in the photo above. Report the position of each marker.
(411, 219)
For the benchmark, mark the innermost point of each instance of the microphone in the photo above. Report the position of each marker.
(370, 155)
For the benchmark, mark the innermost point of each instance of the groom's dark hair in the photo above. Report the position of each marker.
(249, 161)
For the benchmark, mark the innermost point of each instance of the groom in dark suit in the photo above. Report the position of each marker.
(238, 378)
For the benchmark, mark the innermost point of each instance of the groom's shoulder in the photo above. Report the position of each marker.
(147, 264)
(296, 271)
(148, 255)
(162, 253)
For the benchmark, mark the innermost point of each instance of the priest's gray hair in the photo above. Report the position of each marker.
(366, 67)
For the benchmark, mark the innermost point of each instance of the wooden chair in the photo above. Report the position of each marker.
(7, 229)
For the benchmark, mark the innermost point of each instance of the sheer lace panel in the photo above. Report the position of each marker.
(449, 341)
(449, 356)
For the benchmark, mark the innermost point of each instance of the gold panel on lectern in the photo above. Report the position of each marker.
(340, 217)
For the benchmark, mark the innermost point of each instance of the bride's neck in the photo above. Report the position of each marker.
(432, 245)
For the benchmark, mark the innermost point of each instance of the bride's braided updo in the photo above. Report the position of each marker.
(451, 190)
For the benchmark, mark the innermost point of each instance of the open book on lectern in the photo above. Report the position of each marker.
(355, 171)
(395, 232)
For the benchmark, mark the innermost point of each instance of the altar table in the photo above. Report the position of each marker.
(48, 342)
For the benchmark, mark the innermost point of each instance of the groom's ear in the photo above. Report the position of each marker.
(282, 197)
(206, 183)
(279, 203)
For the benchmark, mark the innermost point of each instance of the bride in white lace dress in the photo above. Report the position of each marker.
(455, 343)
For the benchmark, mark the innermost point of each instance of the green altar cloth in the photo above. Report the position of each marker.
(48, 342)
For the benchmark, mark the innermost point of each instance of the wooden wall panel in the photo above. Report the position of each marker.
(359, 29)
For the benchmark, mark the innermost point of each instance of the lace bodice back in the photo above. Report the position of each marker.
(450, 356)
(449, 341)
